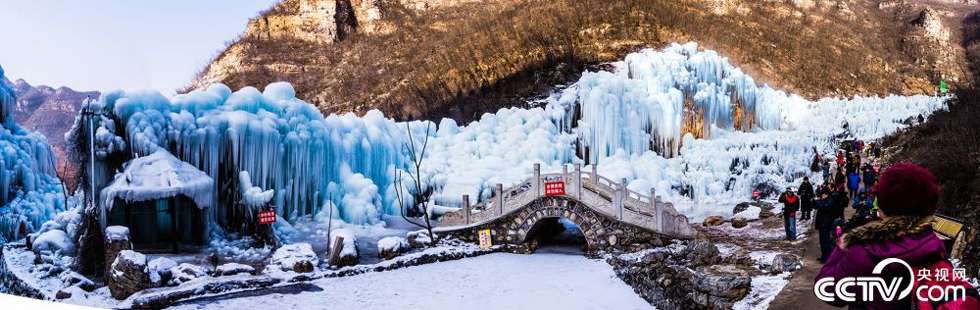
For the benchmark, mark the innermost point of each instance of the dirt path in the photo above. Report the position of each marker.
(798, 293)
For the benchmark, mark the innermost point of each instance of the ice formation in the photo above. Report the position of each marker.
(285, 144)
(159, 175)
(30, 192)
(680, 120)
(252, 195)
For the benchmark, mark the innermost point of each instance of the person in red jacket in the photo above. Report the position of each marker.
(908, 196)
(791, 204)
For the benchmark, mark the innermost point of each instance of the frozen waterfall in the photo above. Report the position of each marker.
(30, 192)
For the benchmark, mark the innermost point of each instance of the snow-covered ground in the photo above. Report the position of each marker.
(493, 281)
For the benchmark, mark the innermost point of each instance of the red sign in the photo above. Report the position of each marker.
(267, 217)
(554, 188)
(755, 194)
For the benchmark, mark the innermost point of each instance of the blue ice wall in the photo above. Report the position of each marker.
(30, 192)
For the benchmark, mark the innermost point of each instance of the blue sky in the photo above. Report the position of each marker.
(105, 45)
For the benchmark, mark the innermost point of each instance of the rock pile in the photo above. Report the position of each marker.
(720, 286)
(695, 275)
(116, 240)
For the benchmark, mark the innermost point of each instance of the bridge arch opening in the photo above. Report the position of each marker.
(556, 235)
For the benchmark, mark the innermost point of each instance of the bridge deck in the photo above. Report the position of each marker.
(603, 195)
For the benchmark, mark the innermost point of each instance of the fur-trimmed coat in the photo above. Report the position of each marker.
(909, 238)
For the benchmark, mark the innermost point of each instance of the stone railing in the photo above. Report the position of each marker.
(612, 199)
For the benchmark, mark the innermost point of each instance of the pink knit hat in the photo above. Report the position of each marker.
(907, 189)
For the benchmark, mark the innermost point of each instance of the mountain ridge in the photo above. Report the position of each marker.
(431, 59)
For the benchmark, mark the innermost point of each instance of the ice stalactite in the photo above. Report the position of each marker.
(30, 192)
(286, 145)
(654, 97)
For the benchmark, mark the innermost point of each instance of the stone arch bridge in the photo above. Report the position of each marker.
(608, 213)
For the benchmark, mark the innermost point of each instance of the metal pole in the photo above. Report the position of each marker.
(330, 220)
(91, 177)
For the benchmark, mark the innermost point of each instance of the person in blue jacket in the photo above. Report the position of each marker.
(853, 183)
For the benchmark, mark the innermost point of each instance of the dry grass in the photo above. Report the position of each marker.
(468, 59)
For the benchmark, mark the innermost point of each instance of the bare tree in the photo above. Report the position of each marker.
(421, 196)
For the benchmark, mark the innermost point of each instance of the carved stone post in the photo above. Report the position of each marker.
(623, 196)
(595, 175)
(653, 198)
(536, 183)
(466, 209)
(578, 181)
(498, 197)
(658, 211)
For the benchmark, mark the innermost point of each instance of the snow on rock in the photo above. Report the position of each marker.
(128, 274)
(297, 257)
(54, 241)
(390, 247)
(419, 238)
(749, 214)
(254, 196)
(185, 273)
(160, 175)
(159, 270)
(231, 269)
(349, 255)
(117, 233)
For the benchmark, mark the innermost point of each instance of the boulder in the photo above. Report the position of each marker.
(720, 286)
(713, 220)
(128, 274)
(297, 257)
(231, 269)
(159, 271)
(186, 272)
(766, 212)
(784, 263)
(739, 223)
(116, 240)
(701, 253)
(419, 239)
(741, 207)
(740, 258)
(62, 294)
(348, 255)
(391, 247)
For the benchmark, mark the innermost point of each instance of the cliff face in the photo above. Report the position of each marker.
(460, 58)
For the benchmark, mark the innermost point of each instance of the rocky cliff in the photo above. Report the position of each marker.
(460, 58)
(49, 111)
